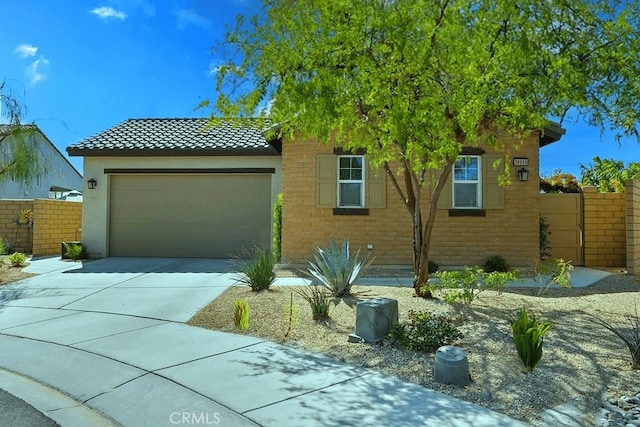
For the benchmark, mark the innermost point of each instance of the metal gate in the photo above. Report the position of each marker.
(563, 213)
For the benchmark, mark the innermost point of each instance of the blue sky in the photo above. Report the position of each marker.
(81, 67)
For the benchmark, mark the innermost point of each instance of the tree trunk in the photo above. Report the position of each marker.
(422, 234)
(410, 196)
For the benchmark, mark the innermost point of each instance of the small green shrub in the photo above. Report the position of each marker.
(548, 273)
(432, 267)
(277, 228)
(424, 332)
(319, 300)
(17, 259)
(258, 270)
(528, 336)
(336, 269)
(241, 314)
(75, 251)
(630, 335)
(463, 286)
(496, 263)
(7, 247)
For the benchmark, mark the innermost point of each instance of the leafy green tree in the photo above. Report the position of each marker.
(608, 175)
(560, 182)
(19, 158)
(413, 81)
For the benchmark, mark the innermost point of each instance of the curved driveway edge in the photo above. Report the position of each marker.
(110, 334)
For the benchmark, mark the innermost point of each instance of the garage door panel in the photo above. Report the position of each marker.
(189, 215)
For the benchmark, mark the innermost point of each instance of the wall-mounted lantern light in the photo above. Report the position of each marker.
(92, 183)
(523, 174)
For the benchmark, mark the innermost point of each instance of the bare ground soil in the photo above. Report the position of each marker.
(9, 274)
(582, 361)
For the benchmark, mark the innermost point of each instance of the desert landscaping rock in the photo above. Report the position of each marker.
(579, 361)
(620, 412)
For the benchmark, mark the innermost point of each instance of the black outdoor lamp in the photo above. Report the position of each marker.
(523, 174)
(92, 183)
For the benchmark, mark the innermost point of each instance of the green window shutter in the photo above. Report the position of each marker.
(326, 181)
(492, 191)
(376, 187)
(444, 201)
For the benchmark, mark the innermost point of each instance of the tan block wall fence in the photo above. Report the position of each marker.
(54, 221)
(632, 191)
(604, 228)
(22, 237)
(511, 232)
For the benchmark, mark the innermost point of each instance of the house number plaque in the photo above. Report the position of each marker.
(520, 161)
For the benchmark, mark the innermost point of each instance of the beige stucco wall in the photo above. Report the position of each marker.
(95, 221)
(512, 232)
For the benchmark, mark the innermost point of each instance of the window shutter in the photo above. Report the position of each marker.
(326, 181)
(444, 202)
(492, 191)
(376, 187)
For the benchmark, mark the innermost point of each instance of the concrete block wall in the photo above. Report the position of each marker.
(511, 232)
(20, 237)
(54, 222)
(605, 228)
(632, 193)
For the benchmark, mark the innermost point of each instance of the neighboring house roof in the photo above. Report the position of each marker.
(5, 129)
(179, 137)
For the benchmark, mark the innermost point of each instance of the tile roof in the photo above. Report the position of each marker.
(177, 137)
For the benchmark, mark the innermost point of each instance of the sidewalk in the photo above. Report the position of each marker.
(110, 336)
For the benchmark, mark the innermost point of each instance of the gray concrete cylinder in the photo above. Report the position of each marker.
(451, 366)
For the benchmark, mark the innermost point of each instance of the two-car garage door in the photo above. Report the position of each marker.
(179, 215)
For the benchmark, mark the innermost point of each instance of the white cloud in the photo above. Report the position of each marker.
(191, 17)
(105, 12)
(35, 71)
(26, 50)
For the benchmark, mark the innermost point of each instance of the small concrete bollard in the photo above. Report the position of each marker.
(451, 366)
(374, 317)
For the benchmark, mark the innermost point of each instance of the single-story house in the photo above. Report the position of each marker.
(55, 176)
(329, 194)
(175, 187)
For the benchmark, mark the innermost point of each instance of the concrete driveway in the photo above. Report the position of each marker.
(110, 336)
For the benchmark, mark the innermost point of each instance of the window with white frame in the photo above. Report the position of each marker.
(467, 186)
(351, 181)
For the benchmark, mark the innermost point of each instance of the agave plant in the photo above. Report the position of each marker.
(336, 269)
